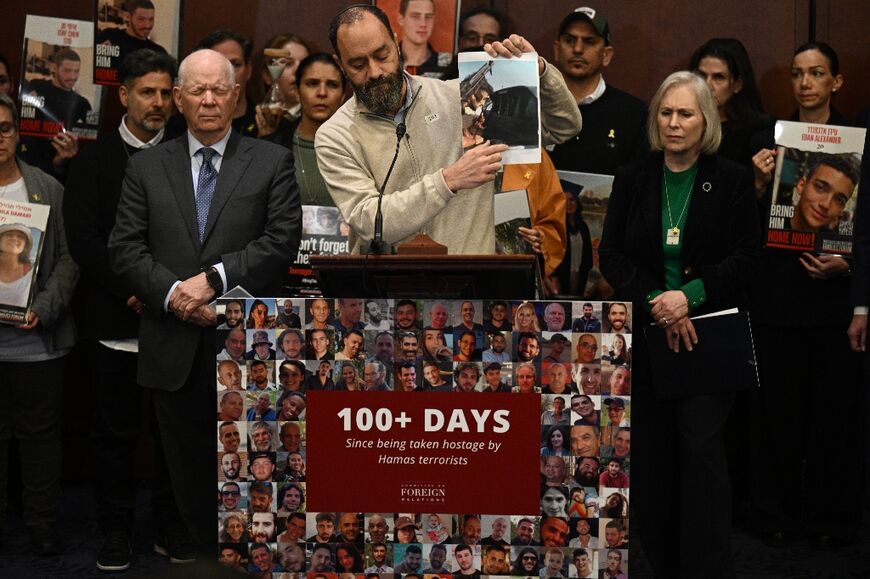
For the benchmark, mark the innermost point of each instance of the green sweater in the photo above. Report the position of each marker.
(676, 196)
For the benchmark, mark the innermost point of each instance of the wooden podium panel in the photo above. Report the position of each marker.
(422, 276)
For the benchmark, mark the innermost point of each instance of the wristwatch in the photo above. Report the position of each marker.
(213, 277)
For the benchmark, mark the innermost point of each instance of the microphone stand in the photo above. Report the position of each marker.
(378, 246)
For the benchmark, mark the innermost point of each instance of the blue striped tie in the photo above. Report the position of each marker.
(204, 189)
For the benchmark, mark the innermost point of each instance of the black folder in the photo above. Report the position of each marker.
(722, 361)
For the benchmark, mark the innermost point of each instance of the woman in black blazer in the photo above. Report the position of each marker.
(681, 238)
(800, 314)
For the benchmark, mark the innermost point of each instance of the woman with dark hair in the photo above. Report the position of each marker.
(258, 315)
(526, 564)
(5, 77)
(725, 65)
(616, 506)
(321, 88)
(233, 529)
(801, 311)
(16, 243)
(573, 272)
(295, 470)
(291, 498)
(348, 559)
(556, 441)
(435, 346)
(618, 354)
(33, 353)
(681, 238)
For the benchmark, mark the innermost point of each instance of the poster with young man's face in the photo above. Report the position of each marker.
(426, 33)
(56, 94)
(124, 26)
(815, 188)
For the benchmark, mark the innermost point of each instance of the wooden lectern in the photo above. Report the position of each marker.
(424, 276)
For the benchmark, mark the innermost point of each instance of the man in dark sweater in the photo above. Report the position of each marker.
(614, 131)
(111, 322)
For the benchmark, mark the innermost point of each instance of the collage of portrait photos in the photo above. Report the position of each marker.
(574, 358)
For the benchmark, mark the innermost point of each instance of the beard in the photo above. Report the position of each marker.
(586, 479)
(382, 96)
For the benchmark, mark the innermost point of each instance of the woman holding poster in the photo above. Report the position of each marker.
(33, 354)
(681, 238)
(801, 311)
(16, 243)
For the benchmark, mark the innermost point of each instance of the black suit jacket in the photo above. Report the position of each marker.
(90, 203)
(253, 228)
(722, 243)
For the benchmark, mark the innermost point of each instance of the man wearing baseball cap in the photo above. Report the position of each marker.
(613, 121)
(557, 344)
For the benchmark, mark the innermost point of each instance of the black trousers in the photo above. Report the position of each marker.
(186, 418)
(32, 401)
(680, 489)
(807, 453)
(118, 424)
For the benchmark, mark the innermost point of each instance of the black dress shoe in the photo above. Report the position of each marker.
(45, 540)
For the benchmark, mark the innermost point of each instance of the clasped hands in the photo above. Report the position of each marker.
(823, 266)
(189, 301)
(670, 310)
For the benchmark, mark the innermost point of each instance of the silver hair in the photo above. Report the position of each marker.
(712, 136)
(182, 68)
(7, 103)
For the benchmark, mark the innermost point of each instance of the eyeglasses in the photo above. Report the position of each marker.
(231, 493)
(529, 558)
(7, 129)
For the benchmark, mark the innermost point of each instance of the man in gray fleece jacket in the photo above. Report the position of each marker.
(434, 188)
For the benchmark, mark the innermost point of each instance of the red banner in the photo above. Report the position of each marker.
(421, 451)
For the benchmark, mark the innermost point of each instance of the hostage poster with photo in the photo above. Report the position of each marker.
(427, 437)
(426, 33)
(815, 187)
(500, 103)
(56, 93)
(22, 229)
(123, 26)
(324, 232)
(591, 192)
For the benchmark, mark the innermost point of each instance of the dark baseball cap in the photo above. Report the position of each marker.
(590, 15)
(620, 402)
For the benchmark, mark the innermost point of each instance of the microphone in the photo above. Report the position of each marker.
(378, 246)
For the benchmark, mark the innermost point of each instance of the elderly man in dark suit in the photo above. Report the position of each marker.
(198, 215)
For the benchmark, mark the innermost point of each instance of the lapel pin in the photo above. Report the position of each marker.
(706, 186)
